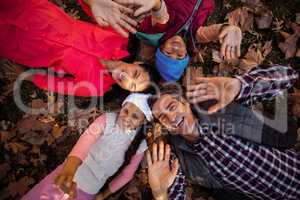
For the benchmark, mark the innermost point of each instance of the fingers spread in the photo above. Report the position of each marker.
(127, 26)
(125, 9)
(101, 21)
(148, 156)
(154, 152)
(118, 28)
(198, 86)
(141, 10)
(161, 150)
(167, 152)
(129, 20)
(203, 98)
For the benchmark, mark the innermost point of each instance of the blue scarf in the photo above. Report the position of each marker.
(170, 69)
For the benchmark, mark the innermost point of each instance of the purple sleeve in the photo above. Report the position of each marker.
(178, 189)
(264, 83)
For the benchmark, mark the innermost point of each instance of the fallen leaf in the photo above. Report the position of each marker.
(265, 18)
(15, 147)
(296, 29)
(20, 187)
(58, 131)
(298, 53)
(241, 17)
(266, 49)
(252, 2)
(7, 135)
(289, 46)
(34, 138)
(38, 104)
(4, 168)
(31, 123)
(253, 58)
(298, 18)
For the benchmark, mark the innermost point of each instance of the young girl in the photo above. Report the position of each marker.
(38, 34)
(98, 154)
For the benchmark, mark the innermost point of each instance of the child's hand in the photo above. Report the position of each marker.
(103, 195)
(231, 39)
(64, 180)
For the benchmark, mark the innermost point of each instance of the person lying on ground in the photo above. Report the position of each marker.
(112, 139)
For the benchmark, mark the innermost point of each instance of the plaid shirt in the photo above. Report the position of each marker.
(257, 171)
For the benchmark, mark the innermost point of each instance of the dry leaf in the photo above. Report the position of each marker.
(253, 58)
(252, 2)
(38, 104)
(31, 123)
(20, 187)
(7, 135)
(57, 131)
(15, 147)
(289, 46)
(298, 53)
(296, 29)
(242, 17)
(35, 138)
(265, 18)
(298, 18)
(266, 49)
(4, 168)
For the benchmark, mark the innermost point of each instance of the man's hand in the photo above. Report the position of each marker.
(160, 175)
(64, 180)
(222, 89)
(111, 13)
(231, 39)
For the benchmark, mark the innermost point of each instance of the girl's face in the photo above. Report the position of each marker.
(131, 77)
(174, 48)
(130, 117)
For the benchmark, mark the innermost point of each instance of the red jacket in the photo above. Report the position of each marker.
(37, 33)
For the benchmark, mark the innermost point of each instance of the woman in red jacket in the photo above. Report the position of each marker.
(39, 34)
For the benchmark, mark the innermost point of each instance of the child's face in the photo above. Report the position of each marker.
(174, 48)
(130, 117)
(131, 77)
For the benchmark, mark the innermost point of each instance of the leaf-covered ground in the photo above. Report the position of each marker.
(33, 145)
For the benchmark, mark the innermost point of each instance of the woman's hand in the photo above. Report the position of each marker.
(222, 89)
(111, 13)
(231, 38)
(143, 6)
(159, 174)
(64, 180)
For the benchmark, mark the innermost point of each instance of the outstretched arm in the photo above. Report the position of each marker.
(259, 84)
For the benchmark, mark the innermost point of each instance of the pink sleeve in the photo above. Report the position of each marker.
(127, 173)
(89, 137)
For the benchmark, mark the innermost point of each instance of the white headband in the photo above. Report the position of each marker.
(140, 101)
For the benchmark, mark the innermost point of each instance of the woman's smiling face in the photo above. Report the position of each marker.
(131, 77)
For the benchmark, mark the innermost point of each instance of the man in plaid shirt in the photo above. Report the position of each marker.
(231, 162)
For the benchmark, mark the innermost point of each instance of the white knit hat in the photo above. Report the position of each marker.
(140, 101)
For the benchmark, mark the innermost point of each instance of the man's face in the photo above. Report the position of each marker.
(173, 113)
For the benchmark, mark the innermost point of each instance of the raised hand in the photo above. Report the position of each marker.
(111, 13)
(222, 89)
(231, 39)
(160, 175)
